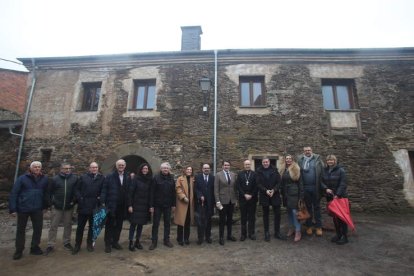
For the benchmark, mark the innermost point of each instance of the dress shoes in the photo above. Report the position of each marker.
(17, 255)
(199, 242)
(335, 238)
(252, 237)
(209, 240)
(108, 249)
(89, 247)
(138, 245)
(187, 242)
(221, 241)
(36, 251)
(243, 238)
(167, 243)
(280, 236)
(343, 240)
(181, 243)
(76, 249)
(231, 238)
(117, 246)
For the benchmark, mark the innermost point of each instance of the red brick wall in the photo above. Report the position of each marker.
(13, 87)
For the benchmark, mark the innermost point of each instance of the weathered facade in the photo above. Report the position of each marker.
(13, 85)
(149, 107)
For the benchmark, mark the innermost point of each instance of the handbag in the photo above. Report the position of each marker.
(302, 213)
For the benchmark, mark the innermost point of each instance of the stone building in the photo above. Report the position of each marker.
(13, 86)
(355, 103)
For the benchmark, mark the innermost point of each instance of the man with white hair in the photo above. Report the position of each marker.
(162, 202)
(113, 195)
(28, 198)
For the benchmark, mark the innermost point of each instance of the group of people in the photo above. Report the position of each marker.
(192, 199)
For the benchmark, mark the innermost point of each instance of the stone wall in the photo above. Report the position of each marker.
(181, 133)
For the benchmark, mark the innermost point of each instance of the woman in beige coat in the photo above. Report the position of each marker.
(184, 211)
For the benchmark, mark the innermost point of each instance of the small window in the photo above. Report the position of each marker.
(91, 95)
(252, 91)
(46, 154)
(338, 94)
(144, 94)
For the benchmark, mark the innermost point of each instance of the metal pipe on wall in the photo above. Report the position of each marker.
(26, 118)
(215, 115)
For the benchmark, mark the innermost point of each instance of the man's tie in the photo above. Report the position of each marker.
(206, 179)
(228, 178)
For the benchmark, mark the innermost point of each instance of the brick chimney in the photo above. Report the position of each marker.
(190, 38)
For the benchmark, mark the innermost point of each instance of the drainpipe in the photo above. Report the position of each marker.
(26, 118)
(215, 115)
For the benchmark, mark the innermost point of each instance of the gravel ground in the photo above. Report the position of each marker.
(382, 245)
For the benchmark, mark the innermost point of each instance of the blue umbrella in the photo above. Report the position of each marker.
(99, 217)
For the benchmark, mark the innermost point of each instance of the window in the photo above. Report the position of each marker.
(46, 154)
(338, 94)
(144, 94)
(91, 94)
(252, 91)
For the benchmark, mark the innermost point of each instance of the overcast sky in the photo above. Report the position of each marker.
(48, 28)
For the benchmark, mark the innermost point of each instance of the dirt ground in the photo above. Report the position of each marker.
(382, 245)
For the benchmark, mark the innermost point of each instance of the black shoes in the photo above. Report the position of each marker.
(280, 236)
(131, 246)
(153, 245)
(243, 238)
(231, 238)
(209, 240)
(221, 241)
(180, 243)
(117, 246)
(68, 247)
(199, 241)
(252, 237)
(76, 249)
(138, 245)
(167, 243)
(36, 251)
(49, 249)
(343, 240)
(108, 249)
(17, 255)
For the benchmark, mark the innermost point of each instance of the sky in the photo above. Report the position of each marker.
(52, 28)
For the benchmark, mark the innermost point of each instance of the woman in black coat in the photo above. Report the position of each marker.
(334, 184)
(138, 203)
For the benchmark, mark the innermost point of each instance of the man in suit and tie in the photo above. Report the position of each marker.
(225, 195)
(113, 195)
(204, 188)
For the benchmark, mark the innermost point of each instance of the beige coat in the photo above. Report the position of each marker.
(181, 207)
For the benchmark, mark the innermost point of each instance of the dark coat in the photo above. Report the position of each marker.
(246, 184)
(334, 180)
(292, 186)
(114, 194)
(163, 191)
(88, 192)
(268, 183)
(206, 190)
(62, 191)
(29, 194)
(139, 199)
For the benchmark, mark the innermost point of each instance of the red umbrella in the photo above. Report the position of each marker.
(339, 207)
